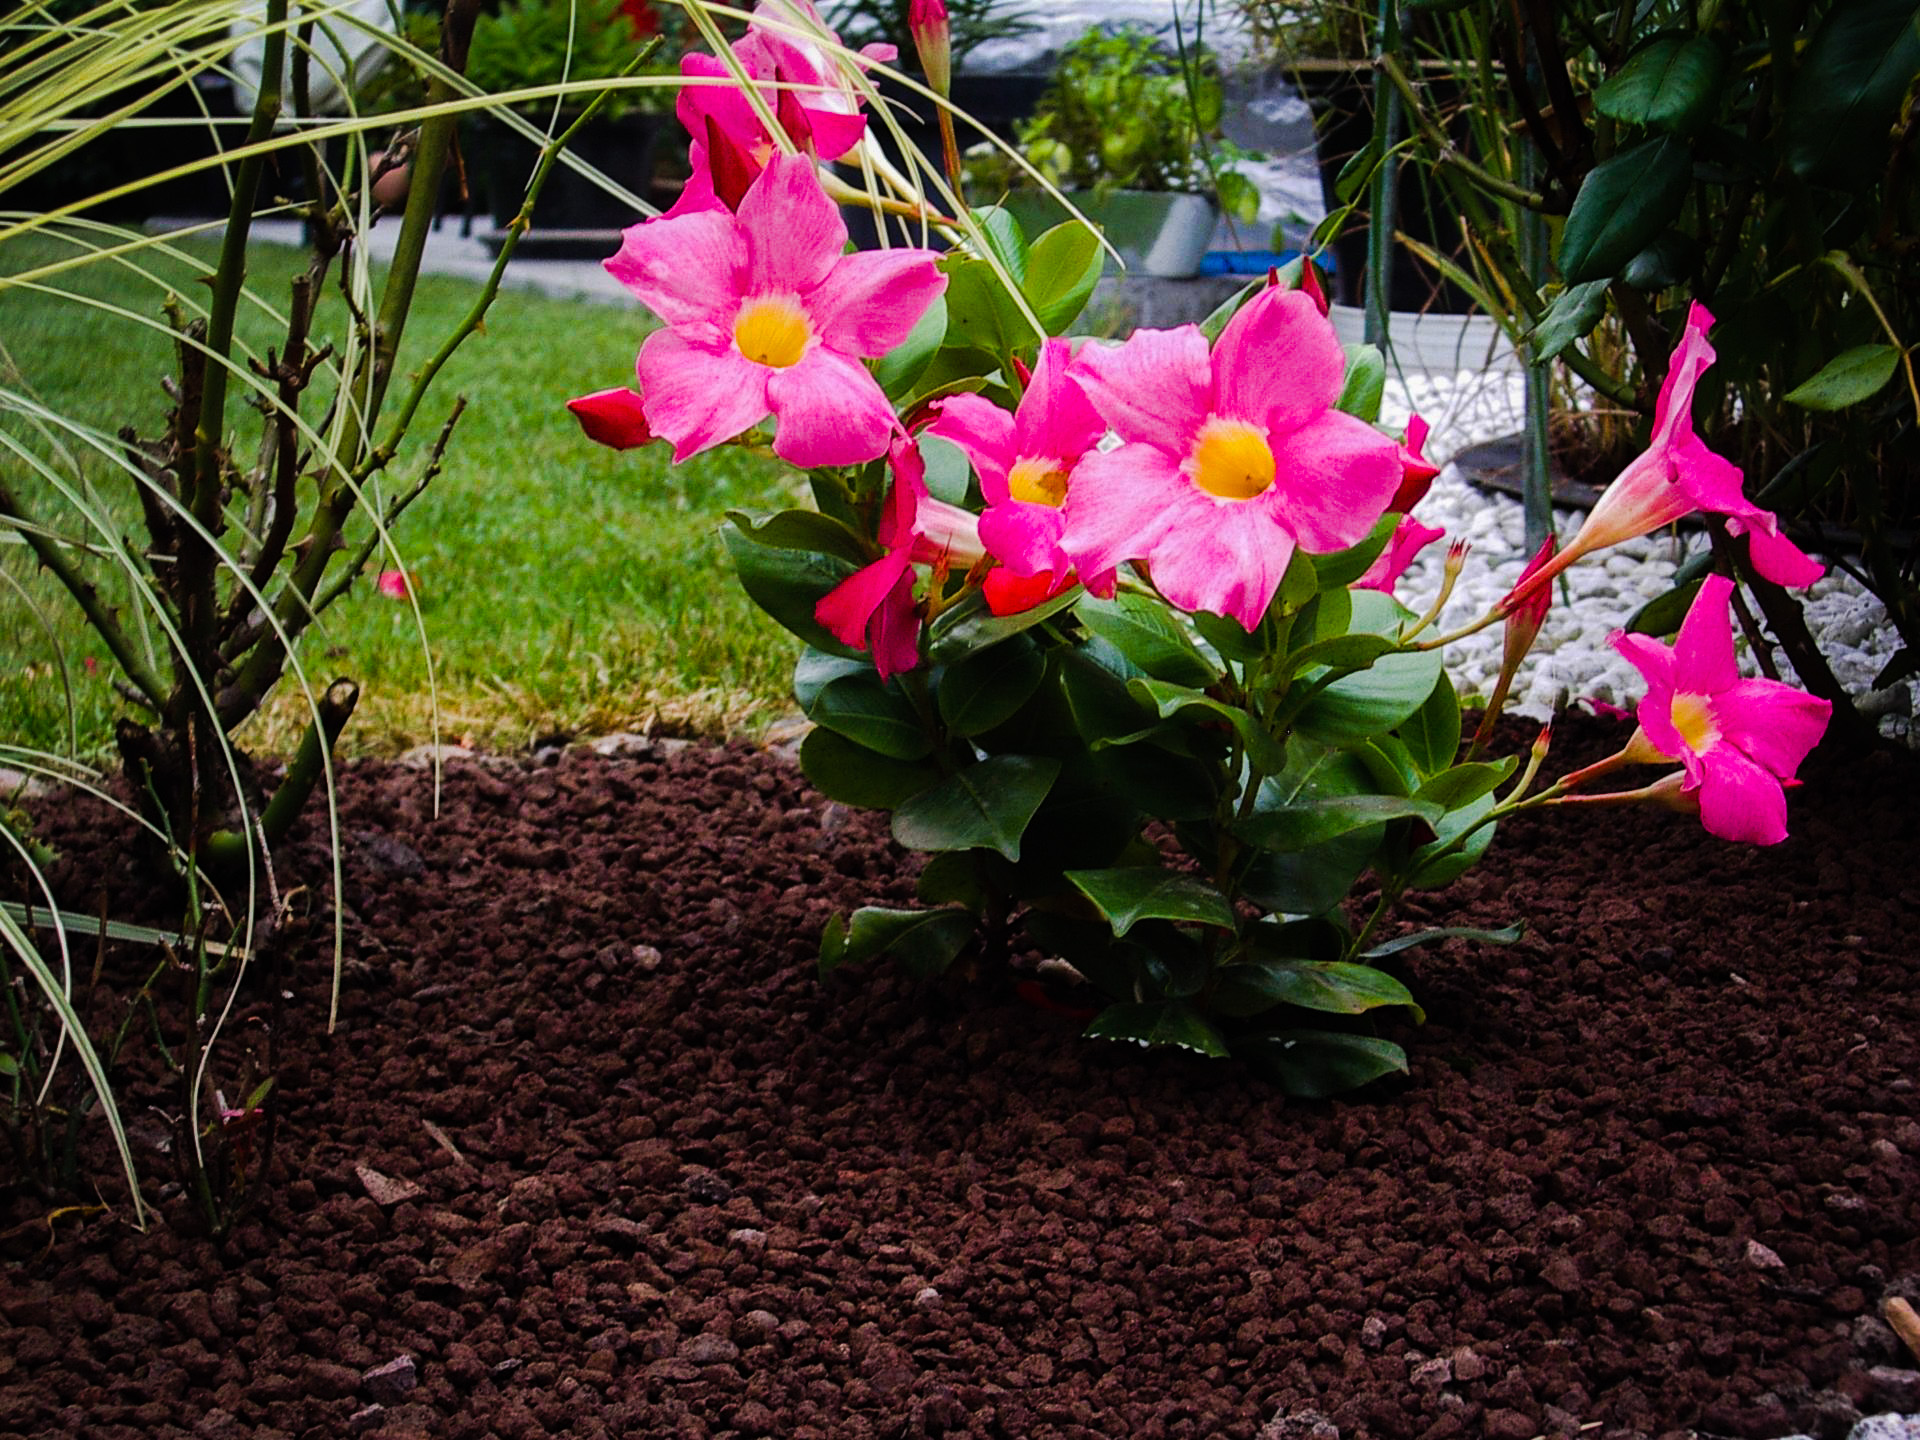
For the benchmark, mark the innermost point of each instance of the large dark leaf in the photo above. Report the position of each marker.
(901, 367)
(787, 584)
(1622, 205)
(1572, 316)
(855, 775)
(1171, 1023)
(1847, 379)
(1307, 823)
(1315, 1064)
(869, 713)
(1670, 83)
(1146, 632)
(1848, 87)
(1146, 892)
(1338, 987)
(924, 941)
(983, 806)
(988, 687)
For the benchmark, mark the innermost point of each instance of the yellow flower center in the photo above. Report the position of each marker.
(1038, 482)
(1693, 717)
(772, 330)
(1231, 460)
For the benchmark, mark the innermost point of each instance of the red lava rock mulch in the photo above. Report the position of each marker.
(1655, 1167)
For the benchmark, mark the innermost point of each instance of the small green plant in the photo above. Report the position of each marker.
(526, 43)
(972, 23)
(1124, 113)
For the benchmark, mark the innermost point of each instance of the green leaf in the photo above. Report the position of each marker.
(1623, 203)
(989, 686)
(1662, 614)
(1339, 987)
(980, 313)
(1005, 239)
(986, 805)
(1669, 260)
(1376, 700)
(924, 941)
(1316, 1064)
(1146, 892)
(1366, 383)
(1464, 784)
(1432, 869)
(952, 878)
(1847, 379)
(802, 530)
(1341, 568)
(968, 625)
(1343, 652)
(814, 670)
(9, 1066)
(1239, 196)
(1357, 173)
(1062, 269)
(1308, 823)
(1505, 936)
(901, 367)
(854, 775)
(878, 716)
(1169, 700)
(787, 584)
(1573, 314)
(1432, 733)
(949, 473)
(1848, 87)
(1669, 83)
(1146, 632)
(1173, 1023)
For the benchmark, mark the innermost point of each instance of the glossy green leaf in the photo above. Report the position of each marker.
(980, 313)
(1131, 894)
(1622, 205)
(1366, 383)
(1670, 83)
(1662, 614)
(1338, 987)
(1005, 239)
(1357, 173)
(983, 806)
(869, 713)
(1314, 821)
(1148, 634)
(1170, 1023)
(1062, 269)
(901, 367)
(1317, 1064)
(1504, 936)
(1433, 869)
(1572, 316)
(854, 775)
(1464, 784)
(968, 625)
(925, 942)
(1432, 733)
(1169, 700)
(1670, 260)
(1376, 700)
(1341, 568)
(815, 669)
(949, 474)
(1848, 87)
(985, 689)
(802, 530)
(787, 584)
(1847, 379)
(952, 878)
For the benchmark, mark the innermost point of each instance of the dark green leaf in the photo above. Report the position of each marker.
(1623, 203)
(802, 530)
(1394, 946)
(901, 367)
(969, 625)
(815, 670)
(787, 584)
(1662, 615)
(1376, 700)
(854, 775)
(924, 941)
(1432, 733)
(1432, 868)
(949, 473)
(952, 878)
(878, 716)
(1338, 987)
(1847, 379)
(1308, 823)
(1341, 568)
(1366, 383)
(9, 1066)
(1146, 632)
(1464, 784)
(980, 313)
(1669, 260)
(1005, 239)
(1670, 83)
(1169, 700)
(1358, 171)
(1573, 314)
(1316, 1064)
(1848, 87)
(985, 806)
(1172, 1023)
(1146, 892)
(986, 688)
(1062, 269)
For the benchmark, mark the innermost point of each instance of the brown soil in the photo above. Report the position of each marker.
(1656, 1166)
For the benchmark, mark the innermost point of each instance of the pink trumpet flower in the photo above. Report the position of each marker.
(1739, 741)
(1676, 476)
(1228, 460)
(765, 314)
(615, 418)
(873, 609)
(1410, 537)
(933, 41)
(1416, 471)
(1026, 462)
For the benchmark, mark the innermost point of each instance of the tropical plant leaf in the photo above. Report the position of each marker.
(872, 714)
(1847, 379)
(1669, 83)
(924, 941)
(1317, 1064)
(1062, 268)
(988, 687)
(844, 770)
(1504, 936)
(1622, 205)
(1128, 895)
(983, 806)
(1172, 1023)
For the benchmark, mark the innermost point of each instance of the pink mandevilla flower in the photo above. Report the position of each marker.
(765, 314)
(1228, 460)
(1739, 741)
(615, 418)
(1677, 475)
(1026, 462)
(1416, 471)
(1410, 537)
(873, 609)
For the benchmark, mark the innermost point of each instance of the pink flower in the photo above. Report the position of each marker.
(1416, 471)
(1025, 462)
(1676, 476)
(1410, 537)
(1228, 460)
(933, 42)
(394, 584)
(1526, 618)
(615, 418)
(765, 314)
(873, 609)
(1739, 741)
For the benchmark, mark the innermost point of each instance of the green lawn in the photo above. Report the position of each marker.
(565, 589)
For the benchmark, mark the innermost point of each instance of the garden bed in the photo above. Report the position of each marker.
(1655, 1166)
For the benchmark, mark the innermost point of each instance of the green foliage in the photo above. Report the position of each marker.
(524, 43)
(971, 23)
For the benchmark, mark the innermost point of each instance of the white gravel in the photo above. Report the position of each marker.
(1572, 661)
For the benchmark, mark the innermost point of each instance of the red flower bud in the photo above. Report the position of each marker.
(933, 39)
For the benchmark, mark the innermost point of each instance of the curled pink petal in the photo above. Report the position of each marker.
(1410, 537)
(615, 418)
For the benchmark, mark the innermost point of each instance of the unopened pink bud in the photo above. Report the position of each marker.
(933, 39)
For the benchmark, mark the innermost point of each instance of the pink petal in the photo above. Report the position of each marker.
(946, 535)
(849, 609)
(616, 418)
(1416, 472)
(794, 233)
(1703, 660)
(1025, 538)
(1653, 660)
(1773, 554)
(698, 193)
(1673, 411)
(689, 268)
(831, 411)
(717, 96)
(1054, 417)
(894, 635)
(872, 299)
(985, 433)
(1278, 364)
(1333, 479)
(1710, 481)
(393, 584)
(1740, 801)
(1120, 504)
(1156, 388)
(1410, 537)
(835, 132)
(1224, 558)
(698, 397)
(1774, 724)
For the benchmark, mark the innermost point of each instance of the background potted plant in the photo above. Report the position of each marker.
(527, 43)
(1131, 133)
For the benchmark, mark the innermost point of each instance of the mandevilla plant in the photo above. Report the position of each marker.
(1110, 629)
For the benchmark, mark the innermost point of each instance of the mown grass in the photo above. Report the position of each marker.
(565, 589)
